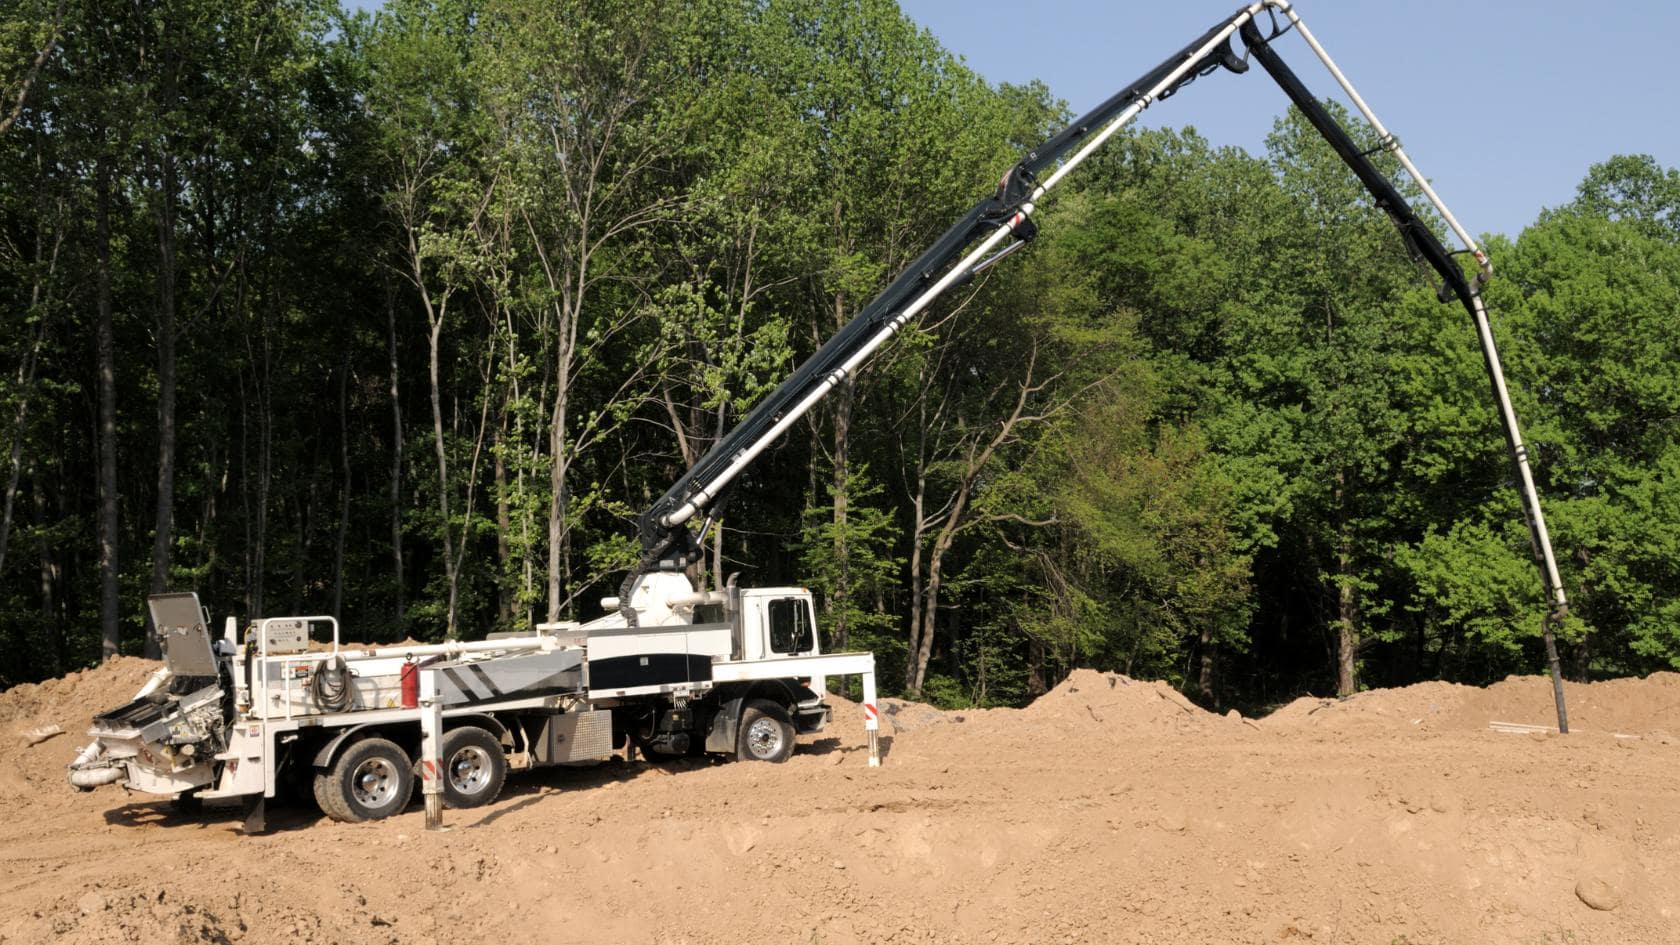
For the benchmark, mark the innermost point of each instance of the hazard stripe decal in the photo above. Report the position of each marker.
(869, 710)
(484, 677)
(468, 693)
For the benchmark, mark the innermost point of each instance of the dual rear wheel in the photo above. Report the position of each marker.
(373, 778)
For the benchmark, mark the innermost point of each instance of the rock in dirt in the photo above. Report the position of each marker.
(1597, 893)
(910, 716)
(91, 902)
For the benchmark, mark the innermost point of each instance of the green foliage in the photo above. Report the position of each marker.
(462, 285)
(869, 570)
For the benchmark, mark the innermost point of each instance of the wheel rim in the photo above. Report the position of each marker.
(374, 782)
(469, 770)
(764, 738)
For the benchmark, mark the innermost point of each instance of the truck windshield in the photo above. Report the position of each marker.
(790, 625)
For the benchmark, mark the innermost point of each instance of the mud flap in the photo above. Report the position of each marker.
(727, 721)
(256, 809)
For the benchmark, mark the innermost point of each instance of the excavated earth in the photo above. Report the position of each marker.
(1111, 810)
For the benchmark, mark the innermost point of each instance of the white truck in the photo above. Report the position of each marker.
(731, 672)
(672, 669)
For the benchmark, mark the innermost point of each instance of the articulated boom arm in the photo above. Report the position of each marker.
(965, 249)
(1002, 223)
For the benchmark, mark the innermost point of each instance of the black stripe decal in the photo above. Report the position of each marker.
(484, 677)
(460, 683)
(649, 669)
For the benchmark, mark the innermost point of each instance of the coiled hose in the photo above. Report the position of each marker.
(330, 685)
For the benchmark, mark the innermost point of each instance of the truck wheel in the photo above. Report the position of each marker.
(766, 733)
(372, 779)
(474, 767)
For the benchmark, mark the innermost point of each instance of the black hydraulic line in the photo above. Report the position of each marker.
(1424, 245)
(1419, 238)
(673, 547)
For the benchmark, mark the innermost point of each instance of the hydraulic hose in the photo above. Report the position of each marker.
(331, 685)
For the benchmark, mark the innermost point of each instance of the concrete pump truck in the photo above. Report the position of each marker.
(671, 668)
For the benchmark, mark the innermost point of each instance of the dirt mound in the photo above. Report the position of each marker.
(1649, 706)
(1111, 810)
(1423, 706)
(1087, 697)
(70, 703)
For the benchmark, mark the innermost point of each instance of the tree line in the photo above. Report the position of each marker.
(403, 316)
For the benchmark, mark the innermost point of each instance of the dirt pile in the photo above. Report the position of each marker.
(1649, 706)
(1113, 702)
(1424, 707)
(1111, 810)
(70, 702)
(1638, 707)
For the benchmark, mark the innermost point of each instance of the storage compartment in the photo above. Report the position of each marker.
(575, 736)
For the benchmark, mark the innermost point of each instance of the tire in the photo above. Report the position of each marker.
(474, 767)
(766, 733)
(371, 780)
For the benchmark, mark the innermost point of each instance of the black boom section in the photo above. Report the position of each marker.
(669, 547)
(1420, 239)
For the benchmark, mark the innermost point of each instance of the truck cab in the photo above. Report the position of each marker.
(777, 622)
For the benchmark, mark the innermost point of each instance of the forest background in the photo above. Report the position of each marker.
(403, 316)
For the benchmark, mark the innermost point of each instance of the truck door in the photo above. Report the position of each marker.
(791, 627)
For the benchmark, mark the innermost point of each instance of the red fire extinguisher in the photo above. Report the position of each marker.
(410, 684)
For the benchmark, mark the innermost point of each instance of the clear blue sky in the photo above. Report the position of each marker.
(1504, 105)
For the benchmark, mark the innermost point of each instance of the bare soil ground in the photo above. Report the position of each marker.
(1110, 811)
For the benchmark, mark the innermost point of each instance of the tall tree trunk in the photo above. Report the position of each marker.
(918, 541)
(558, 499)
(265, 474)
(39, 292)
(956, 519)
(25, 387)
(344, 486)
(106, 357)
(504, 523)
(527, 571)
(50, 624)
(246, 519)
(1347, 604)
(843, 398)
(1204, 681)
(1037, 681)
(916, 675)
(396, 460)
(442, 454)
(163, 537)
